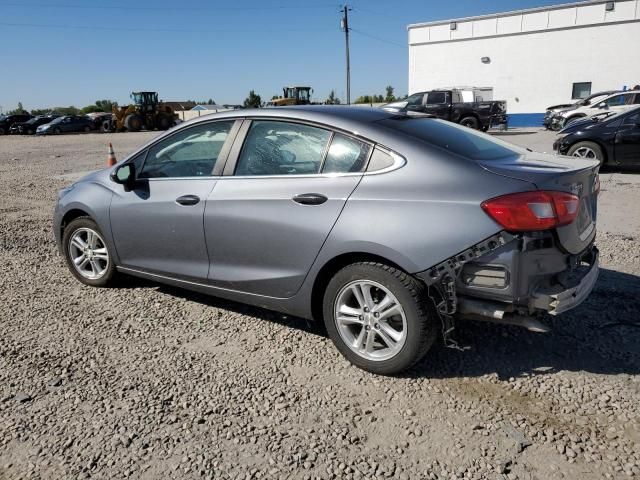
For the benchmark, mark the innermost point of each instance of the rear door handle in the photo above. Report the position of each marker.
(310, 199)
(188, 200)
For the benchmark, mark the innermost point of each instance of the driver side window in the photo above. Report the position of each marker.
(281, 148)
(192, 152)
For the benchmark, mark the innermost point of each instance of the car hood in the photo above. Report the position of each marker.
(564, 106)
(581, 124)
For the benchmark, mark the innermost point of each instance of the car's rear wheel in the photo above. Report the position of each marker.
(1, 131)
(87, 254)
(471, 122)
(587, 150)
(56, 131)
(87, 129)
(379, 317)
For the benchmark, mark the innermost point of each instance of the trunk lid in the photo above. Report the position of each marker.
(559, 173)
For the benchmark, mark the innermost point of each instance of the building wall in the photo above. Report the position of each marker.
(535, 55)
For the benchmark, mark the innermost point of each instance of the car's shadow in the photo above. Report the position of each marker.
(600, 336)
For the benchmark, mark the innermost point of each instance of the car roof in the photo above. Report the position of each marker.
(344, 117)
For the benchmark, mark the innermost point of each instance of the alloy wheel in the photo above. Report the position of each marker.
(585, 152)
(88, 253)
(370, 320)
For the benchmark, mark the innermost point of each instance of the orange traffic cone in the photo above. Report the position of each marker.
(111, 157)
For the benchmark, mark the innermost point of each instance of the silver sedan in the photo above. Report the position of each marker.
(386, 227)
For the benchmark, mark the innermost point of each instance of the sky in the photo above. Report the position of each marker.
(73, 52)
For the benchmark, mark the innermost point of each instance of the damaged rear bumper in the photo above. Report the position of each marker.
(559, 300)
(512, 279)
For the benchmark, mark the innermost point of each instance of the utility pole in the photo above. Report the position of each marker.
(345, 26)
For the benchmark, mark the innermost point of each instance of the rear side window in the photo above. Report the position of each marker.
(460, 140)
(282, 148)
(379, 160)
(435, 98)
(346, 155)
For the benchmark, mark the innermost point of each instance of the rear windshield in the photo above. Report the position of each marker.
(450, 136)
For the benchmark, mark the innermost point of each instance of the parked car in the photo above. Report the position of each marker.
(7, 121)
(618, 102)
(384, 225)
(554, 110)
(66, 124)
(614, 140)
(102, 121)
(449, 105)
(29, 127)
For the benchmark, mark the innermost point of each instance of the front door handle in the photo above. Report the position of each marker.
(310, 199)
(188, 200)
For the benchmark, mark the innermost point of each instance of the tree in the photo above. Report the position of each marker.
(211, 102)
(390, 97)
(18, 110)
(106, 105)
(252, 101)
(332, 99)
(90, 109)
(40, 111)
(70, 110)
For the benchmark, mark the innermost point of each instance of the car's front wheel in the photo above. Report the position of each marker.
(587, 150)
(379, 317)
(87, 254)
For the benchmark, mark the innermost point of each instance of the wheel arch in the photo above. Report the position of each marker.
(69, 217)
(331, 267)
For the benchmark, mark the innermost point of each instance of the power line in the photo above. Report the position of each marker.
(360, 32)
(146, 29)
(127, 7)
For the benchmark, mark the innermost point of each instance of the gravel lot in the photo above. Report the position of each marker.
(146, 381)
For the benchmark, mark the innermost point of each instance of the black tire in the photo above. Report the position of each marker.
(57, 131)
(421, 317)
(580, 148)
(87, 129)
(470, 122)
(107, 278)
(485, 128)
(163, 122)
(2, 131)
(105, 127)
(31, 131)
(133, 122)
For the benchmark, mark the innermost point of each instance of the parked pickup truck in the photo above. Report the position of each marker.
(448, 105)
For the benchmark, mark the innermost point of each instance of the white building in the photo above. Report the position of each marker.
(531, 58)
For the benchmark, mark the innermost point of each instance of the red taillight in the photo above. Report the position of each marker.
(528, 211)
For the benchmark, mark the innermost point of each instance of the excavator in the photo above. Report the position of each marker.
(145, 112)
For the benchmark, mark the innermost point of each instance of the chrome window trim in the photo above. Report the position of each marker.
(399, 162)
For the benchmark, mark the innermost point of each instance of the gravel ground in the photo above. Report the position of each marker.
(146, 381)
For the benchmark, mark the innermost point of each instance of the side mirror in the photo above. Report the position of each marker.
(125, 175)
(603, 105)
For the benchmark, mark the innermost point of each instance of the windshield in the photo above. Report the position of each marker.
(2, 117)
(58, 120)
(449, 136)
